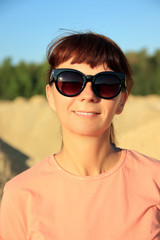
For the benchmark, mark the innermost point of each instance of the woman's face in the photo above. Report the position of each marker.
(85, 114)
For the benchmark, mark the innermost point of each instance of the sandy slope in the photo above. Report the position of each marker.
(33, 128)
(138, 127)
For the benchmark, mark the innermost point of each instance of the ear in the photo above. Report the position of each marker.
(50, 98)
(122, 102)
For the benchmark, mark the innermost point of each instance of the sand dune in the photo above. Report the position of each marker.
(34, 129)
(138, 127)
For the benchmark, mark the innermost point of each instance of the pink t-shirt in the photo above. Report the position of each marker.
(46, 202)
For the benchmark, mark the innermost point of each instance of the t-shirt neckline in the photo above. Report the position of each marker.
(96, 177)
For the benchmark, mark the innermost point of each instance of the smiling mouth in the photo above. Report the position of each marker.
(89, 114)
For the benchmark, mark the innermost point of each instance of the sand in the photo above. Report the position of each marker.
(33, 128)
(138, 127)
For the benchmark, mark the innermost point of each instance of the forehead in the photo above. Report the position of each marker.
(84, 68)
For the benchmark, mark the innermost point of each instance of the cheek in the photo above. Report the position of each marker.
(112, 106)
(62, 105)
(121, 103)
(58, 99)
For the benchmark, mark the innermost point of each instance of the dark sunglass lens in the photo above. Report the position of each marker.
(70, 83)
(107, 85)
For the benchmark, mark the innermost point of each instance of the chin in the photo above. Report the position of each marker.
(90, 132)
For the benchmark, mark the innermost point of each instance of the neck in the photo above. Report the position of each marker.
(86, 155)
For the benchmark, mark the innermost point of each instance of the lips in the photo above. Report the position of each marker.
(89, 114)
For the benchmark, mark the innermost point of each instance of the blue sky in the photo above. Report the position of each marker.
(26, 27)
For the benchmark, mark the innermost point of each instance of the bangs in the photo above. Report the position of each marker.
(84, 49)
(90, 50)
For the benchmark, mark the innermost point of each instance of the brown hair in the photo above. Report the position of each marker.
(92, 49)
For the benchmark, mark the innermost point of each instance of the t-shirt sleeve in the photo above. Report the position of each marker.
(11, 224)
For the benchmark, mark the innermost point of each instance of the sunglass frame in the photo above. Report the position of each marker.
(87, 78)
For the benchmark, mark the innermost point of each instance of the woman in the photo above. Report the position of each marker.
(91, 189)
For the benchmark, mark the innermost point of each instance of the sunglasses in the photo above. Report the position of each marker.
(70, 82)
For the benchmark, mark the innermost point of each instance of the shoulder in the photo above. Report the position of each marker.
(140, 158)
(143, 176)
(142, 165)
(32, 176)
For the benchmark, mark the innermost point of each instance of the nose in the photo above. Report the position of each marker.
(88, 94)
